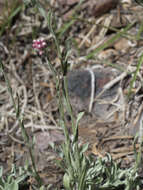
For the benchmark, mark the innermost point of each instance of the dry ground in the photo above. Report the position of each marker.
(98, 41)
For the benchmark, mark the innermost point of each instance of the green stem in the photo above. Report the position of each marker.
(24, 133)
(69, 107)
(135, 74)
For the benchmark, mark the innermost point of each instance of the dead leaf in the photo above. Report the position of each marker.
(122, 45)
(104, 6)
(68, 2)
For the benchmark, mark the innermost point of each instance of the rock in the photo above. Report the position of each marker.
(79, 87)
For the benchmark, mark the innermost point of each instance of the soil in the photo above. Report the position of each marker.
(101, 69)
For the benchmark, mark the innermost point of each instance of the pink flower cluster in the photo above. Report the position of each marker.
(39, 44)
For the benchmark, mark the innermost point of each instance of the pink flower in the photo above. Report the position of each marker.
(39, 44)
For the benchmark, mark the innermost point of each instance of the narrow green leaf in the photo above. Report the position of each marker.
(13, 186)
(66, 181)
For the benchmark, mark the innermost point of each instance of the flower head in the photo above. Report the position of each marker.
(39, 44)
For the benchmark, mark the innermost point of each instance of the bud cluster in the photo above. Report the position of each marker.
(39, 44)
